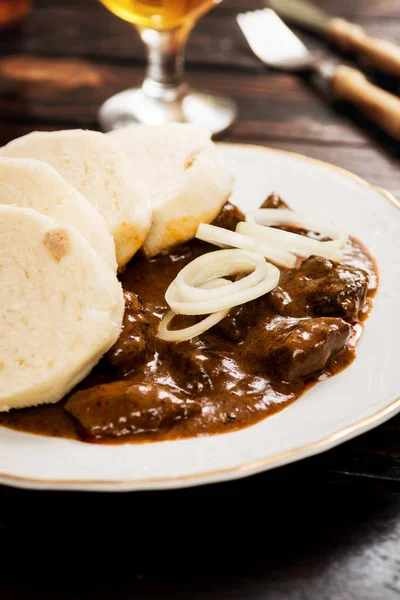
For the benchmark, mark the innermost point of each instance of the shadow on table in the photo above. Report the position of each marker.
(289, 534)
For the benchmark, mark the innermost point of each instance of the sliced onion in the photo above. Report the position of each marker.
(275, 217)
(225, 238)
(182, 335)
(217, 264)
(298, 244)
(214, 265)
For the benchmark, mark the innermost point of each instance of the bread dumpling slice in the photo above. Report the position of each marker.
(61, 308)
(102, 173)
(186, 178)
(29, 183)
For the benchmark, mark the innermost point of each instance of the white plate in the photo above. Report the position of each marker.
(361, 397)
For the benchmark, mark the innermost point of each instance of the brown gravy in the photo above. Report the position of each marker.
(230, 377)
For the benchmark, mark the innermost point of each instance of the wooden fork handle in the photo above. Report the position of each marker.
(349, 37)
(380, 106)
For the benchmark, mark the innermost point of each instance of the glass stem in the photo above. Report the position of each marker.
(165, 66)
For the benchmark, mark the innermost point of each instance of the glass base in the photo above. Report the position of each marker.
(215, 113)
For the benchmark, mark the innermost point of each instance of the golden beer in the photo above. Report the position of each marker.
(159, 14)
(165, 97)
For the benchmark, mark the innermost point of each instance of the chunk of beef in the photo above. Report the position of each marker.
(240, 320)
(135, 344)
(306, 348)
(190, 366)
(274, 201)
(229, 217)
(193, 366)
(128, 407)
(320, 288)
(235, 325)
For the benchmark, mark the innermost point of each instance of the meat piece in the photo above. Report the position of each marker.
(190, 366)
(194, 367)
(305, 349)
(229, 217)
(235, 326)
(135, 344)
(128, 407)
(274, 201)
(320, 288)
(241, 319)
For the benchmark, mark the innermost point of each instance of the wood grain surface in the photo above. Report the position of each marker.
(325, 528)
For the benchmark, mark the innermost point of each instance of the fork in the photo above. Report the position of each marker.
(278, 47)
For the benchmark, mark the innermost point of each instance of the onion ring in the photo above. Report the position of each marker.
(216, 264)
(225, 238)
(183, 335)
(207, 267)
(281, 216)
(293, 242)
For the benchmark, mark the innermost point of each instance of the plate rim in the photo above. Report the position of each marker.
(249, 468)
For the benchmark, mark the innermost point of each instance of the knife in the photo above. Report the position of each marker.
(347, 36)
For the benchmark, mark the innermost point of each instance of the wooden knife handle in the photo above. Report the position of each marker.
(349, 37)
(380, 106)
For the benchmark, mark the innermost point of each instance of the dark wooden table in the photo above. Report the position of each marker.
(325, 528)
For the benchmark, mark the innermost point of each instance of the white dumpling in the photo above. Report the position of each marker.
(187, 180)
(61, 308)
(29, 183)
(101, 172)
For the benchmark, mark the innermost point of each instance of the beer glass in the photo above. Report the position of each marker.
(164, 26)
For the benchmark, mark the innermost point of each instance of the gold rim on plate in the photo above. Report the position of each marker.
(259, 465)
